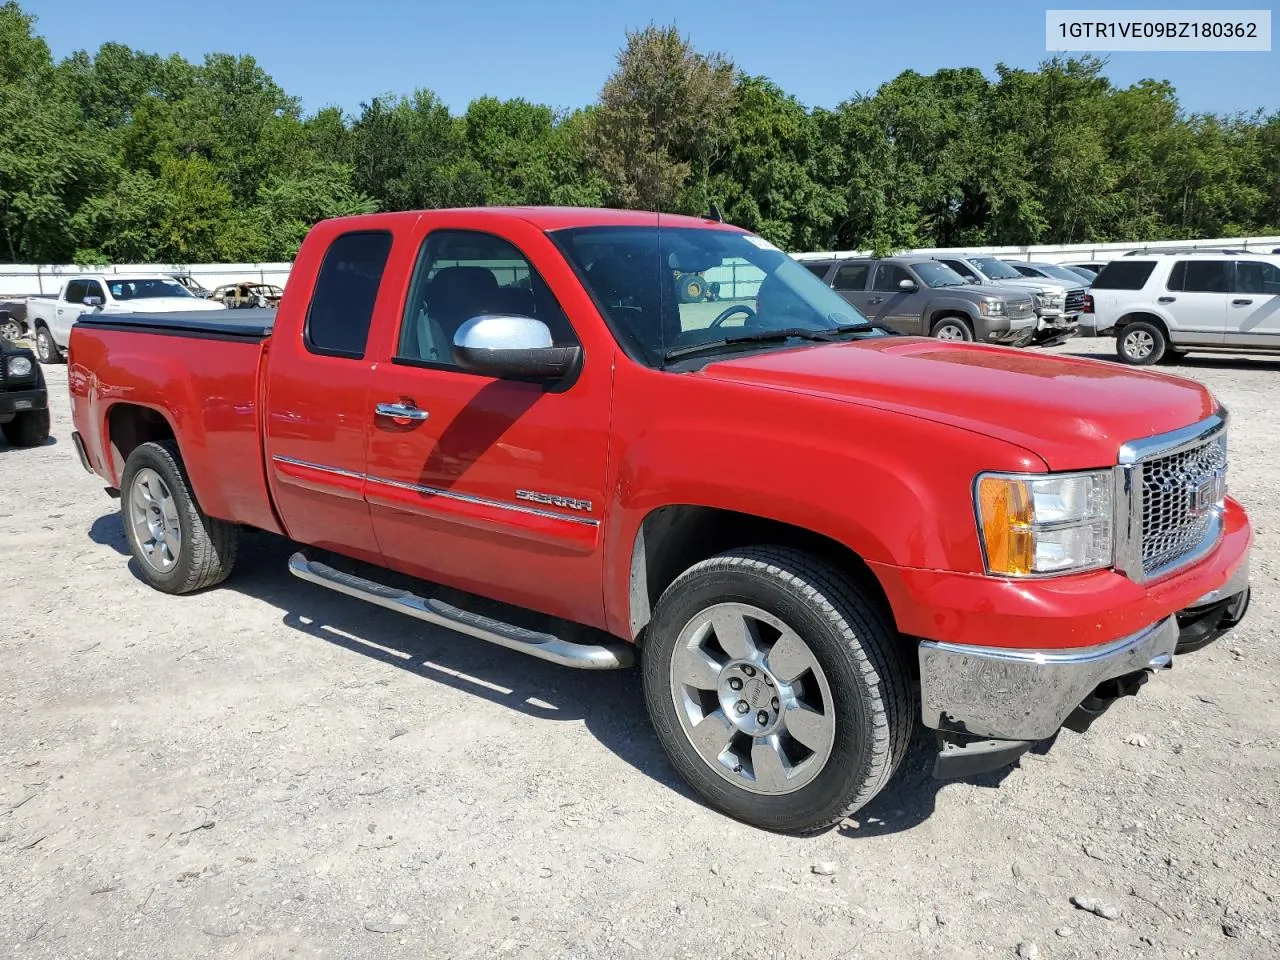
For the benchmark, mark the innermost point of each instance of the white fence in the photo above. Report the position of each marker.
(23, 280)
(1076, 252)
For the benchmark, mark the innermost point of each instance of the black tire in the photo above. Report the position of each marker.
(847, 635)
(46, 350)
(208, 545)
(959, 326)
(27, 429)
(1141, 343)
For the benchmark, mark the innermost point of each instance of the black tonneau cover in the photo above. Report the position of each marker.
(251, 325)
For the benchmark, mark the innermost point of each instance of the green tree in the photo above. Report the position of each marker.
(662, 119)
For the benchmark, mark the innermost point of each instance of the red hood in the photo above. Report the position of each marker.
(1073, 413)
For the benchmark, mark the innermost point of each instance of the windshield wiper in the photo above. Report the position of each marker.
(762, 336)
(829, 335)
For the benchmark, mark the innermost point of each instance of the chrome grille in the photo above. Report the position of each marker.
(1018, 309)
(1181, 497)
(1075, 300)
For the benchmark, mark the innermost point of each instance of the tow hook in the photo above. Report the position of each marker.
(1103, 696)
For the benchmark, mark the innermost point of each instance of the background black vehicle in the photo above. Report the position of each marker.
(24, 401)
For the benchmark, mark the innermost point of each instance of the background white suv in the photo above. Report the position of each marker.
(1160, 305)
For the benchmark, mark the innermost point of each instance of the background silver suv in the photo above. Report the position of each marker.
(919, 296)
(1057, 302)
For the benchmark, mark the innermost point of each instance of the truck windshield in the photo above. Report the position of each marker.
(146, 288)
(663, 290)
(995, 269)
(938, 275)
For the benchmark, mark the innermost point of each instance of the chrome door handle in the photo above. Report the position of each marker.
(876, 300)
(1241, 303)
(400, 411)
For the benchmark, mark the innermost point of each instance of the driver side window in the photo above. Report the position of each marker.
(463, 274)
(888, 276)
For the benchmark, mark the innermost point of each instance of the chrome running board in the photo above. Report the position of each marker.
(544, 646)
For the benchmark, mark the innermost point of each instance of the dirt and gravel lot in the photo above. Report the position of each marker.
(272, 770)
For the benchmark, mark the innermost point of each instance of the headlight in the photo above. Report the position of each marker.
(1035, 525)
(19, 367)
(1050, 299)
(992, 308)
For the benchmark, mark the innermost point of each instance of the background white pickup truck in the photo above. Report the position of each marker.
(50, 318)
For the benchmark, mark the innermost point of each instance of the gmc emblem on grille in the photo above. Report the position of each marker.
(1204, 495)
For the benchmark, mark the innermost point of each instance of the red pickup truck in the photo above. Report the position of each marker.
(814, 532)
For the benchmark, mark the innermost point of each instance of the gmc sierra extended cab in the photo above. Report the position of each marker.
(814, 532)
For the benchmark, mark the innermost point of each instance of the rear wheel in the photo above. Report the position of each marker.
(952, 328)
(46, 350)
(1141, 343)
(178, 548)
(776, 688)
(10, 329)
(27, 429)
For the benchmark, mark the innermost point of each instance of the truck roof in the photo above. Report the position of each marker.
(551, 218)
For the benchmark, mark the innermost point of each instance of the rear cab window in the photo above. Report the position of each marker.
(341, 308)
(1124, 275)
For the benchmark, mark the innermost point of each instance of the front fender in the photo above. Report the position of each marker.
(950, 304)
(893, 488)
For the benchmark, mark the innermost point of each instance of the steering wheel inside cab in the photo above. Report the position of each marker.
(732, 311)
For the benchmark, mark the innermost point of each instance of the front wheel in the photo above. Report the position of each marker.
(10, 329)
(952, 328)
(179, 549)
(46, 350)
(1141, 343)
(776, 688)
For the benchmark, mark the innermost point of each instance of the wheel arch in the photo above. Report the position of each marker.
(129, 425)
(951, 312)
(1135, 316)
(672, 538)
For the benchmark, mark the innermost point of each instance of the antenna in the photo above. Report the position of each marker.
(715, 214)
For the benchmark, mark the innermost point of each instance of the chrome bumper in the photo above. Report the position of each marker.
(1236, 583)
(1005, 694)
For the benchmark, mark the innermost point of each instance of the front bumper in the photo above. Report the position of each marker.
(1002, 694)
(989, 705)
(20, 401)
(1005, 329)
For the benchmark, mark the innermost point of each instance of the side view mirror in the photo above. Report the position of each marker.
(511, 346)
(908, 286)
(92, 301)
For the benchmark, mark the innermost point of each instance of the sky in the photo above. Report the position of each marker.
(559, 52)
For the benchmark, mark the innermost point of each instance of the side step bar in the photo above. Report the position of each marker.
(544, 646)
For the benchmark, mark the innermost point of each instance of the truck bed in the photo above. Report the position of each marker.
(252, 325)
(194, 373)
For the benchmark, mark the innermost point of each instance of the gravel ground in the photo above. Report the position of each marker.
(272, 770)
